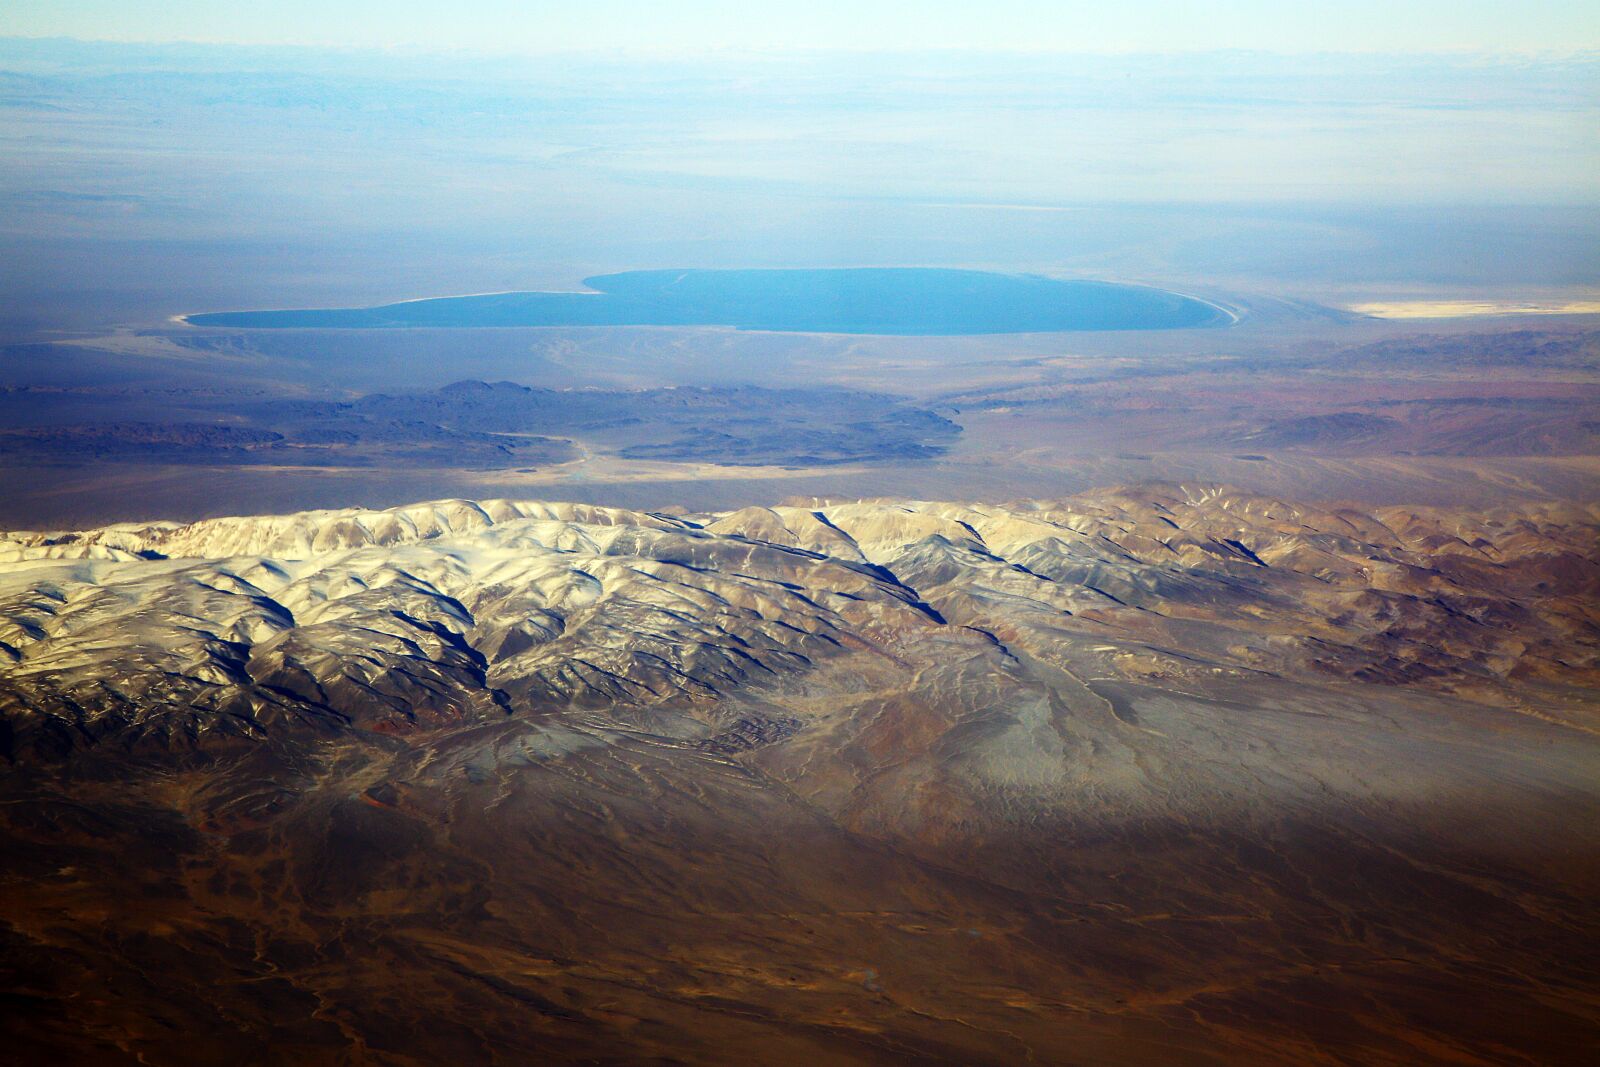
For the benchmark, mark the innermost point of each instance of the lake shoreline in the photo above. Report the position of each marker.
(897, 301)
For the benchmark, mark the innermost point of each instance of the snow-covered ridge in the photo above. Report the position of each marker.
(454, 611)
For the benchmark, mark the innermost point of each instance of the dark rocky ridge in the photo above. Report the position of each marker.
(479, 425)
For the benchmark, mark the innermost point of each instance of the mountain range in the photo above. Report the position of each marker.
(1167, 773)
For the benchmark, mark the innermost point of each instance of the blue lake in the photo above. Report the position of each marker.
(862, 300)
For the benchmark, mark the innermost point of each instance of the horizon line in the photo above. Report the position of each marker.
(419, 50)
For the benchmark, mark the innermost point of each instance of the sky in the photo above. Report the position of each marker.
(686, 26)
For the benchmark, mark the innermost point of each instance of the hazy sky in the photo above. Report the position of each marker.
(693, 25)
